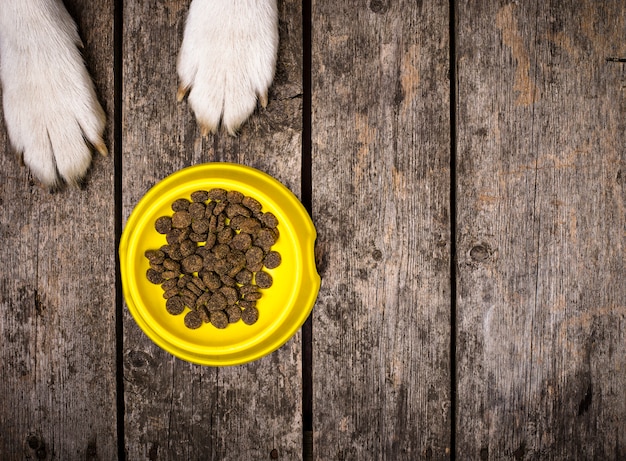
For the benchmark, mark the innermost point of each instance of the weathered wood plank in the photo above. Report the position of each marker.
(381, 152)
(542, 286)
(57, 293)
(175, 410)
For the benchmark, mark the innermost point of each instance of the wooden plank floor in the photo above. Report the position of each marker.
(464, 166)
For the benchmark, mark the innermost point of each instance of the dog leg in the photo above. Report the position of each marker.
(50, 107)
(227, 60)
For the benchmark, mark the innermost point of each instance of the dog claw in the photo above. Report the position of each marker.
(206, 129)
(263, 99)
(101, 148)
(181, 93)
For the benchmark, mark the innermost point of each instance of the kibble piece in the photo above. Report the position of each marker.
(188, 248)
(265, 239)
(171, 265)
(208, 262)
(241, 242)
(225, 236)
(272, 260)
(184, 280)
(252, 296)
(228, 280)
(221, 267)
(252, 204)
(196, 210)
(236, 221)
(177, 235)
(181, 204)
(157, 267)
(246, 304)
(221, 222)
(169, 293)
(197, 238)
(234, 196)
(192, 263)
(175, 305)
(219, 319)
(269, 220)
(210, 241)
(235, 209)
(231, 294)
(174, 252)
(250, 225)
(217, 302)
(219, 207)
(254, 259)
(203, 299)
(154, 276)
(233, 313)
(212, 224)
(204, 314)
(250, 315)
(181, 219)
(194, 289)
(169, 284)
(263, 279)
(244, 276)
(155, 256)
(221, 251)
(217, 194)
(200, 196)
(237, 261)
(193, 320)
(199, 283)
(170, 274)
(200, 225)
(202, 251)
(209, 209)
(248, 288)
(187, 293)
(189, 298)
(163, 224)
(212, 281)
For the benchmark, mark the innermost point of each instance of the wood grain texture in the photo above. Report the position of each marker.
(381, 153)
(57, 293)
(541, 219)
(175, 410)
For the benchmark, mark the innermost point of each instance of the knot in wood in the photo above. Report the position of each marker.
(379, 6)
(480, 253)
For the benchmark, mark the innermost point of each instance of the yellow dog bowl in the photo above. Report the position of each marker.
(283, 307)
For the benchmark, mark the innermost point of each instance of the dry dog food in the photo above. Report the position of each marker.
(217, 246)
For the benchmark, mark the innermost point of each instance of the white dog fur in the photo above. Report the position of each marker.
(51, 109)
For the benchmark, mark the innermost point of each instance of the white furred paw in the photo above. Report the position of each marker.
(50, 106)
(227, 60)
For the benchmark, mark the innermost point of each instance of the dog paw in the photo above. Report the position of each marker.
(227, 60)
(51, 110)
